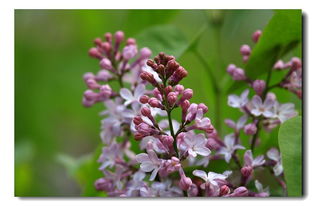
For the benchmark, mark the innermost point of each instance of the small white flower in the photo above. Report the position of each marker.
(230, 147)
(194, 144)
(263, 192)
(238, 102)
(210, 177)
(132, 98)
(284, 111)
(149, 162)
(274, 155)
(262, 108)
(249, 161)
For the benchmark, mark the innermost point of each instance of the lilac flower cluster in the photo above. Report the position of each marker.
(177, 154)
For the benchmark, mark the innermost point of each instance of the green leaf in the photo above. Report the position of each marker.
(290, 142)
(282, 34)
(163, 38)
(84, 170)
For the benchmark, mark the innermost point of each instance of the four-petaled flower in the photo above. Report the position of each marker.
(249, 161)
(284, 111)
(130, 97)
(262, 108)
(238, 102)
(194, 144)
(211, 178)
(230, 147)
(275, 155)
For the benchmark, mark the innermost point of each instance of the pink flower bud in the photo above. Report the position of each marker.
(231, 68)
(146, 76)
(250, 129)
(103, 75)
(98, 42)
(168, 89)
(203, 107)
(137, 120)
(145, 111)
(245, 59)
(230, 123)
(271, 96)
(193, 191)
(240, 192)
(154, 102)
(259, 86)
(144, 99)
(179, 88)
(92, 84)
(144, 129)
(172, 66)
(88, 75)
(94, 52)
(129, 52)
(172, 98)
(246, 171)
(178, 75)
(212, 144)
(279, 65)
(130, 41)
(167, 140)
(106, 64)
(239, 74)
(145, 53)
(187, 94)
(108, 36)
(105, 91)
(256, 35)
(296, 63)
(138, 136)
(87, 103)
(224, 190)
(106, 46)
(90, 95)
(103, 184)
(119, 36)
(185, 105)
(245, 50)
(185, 183)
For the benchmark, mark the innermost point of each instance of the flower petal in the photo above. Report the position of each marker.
(201, 174)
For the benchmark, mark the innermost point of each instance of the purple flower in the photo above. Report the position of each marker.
(132, 98)
(249, 161)
(275, 155)
(284, 111)
(230, 147)
(149, 162)
(262, 108)
(238, 101)
(194, 144)
(239, 124)
(211, 178)
(109, 156)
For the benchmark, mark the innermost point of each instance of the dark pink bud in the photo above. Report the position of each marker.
(179, 88)
(145, 111)
(172, 66)
(119, 36)
(185, 183)
(106, 46)
(94, 52)
(144, 99)
(157, 93)
(178, 75)
(203, 107)
(185, 105)
(259, 86)
(231, 68)
(256, 35)
(137, 120)
(145, 53)
(245, 50)
(154, 102)
(146, 76)
(239, 74)
(130, 41)
(224, 190)
(144, 129)
(212, 144)
(167, 140)
(138, 136)
(106, 64)
(187, 94)
(92, 84)
(108, 36)
(172, 98)
(296, 63)
(250, 129)
(98, 42)
(246, 171)
(103, 185)
(193, 191)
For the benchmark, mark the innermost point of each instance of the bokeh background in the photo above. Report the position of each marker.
(55, 134)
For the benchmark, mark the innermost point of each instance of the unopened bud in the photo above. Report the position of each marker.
(231, 68)
(279, 65)
(179, 88)
(137, 120)
(296, 63)
(92, 84)
(154, 102)
(239, 74)
(246, 171)
(187, 94)
(94, 52)
(193, 191)
(185, 183)
(130, 41)
(145, 111)
(144, 99)
(172, 98)
(129, 52)
(145, 53)
(245, 50)
(250, 129)
(203, 107)
(256, 35)
(119, 36)
(98, 42)
(106, 64)
(259, 86)
(224, 190)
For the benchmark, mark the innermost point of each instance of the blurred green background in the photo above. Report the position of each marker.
(51, 125)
